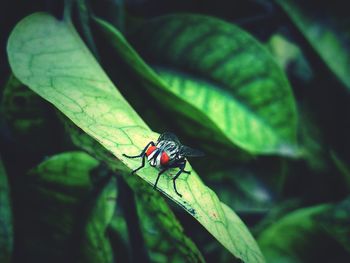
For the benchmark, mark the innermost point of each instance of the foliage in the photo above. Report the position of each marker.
(253, 85)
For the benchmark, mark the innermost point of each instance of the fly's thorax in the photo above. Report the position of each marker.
(170, 147)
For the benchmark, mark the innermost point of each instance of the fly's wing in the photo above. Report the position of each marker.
(190, 152)
(183, 150)
(168, 136)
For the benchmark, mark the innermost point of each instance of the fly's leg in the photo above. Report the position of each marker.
(174, 179)
(142, 164)
(182, 170)
(142, 154)
(159, 174)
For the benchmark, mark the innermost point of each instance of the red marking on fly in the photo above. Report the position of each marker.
(164, 159)
(150, 150)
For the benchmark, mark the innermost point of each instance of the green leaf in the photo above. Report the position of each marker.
(283, 51)
(244, 125)
(60, 187)
(118, 233)
(23, 110)
(6, 229)
(290, 57)
(312, 140)
(49, 57)
(32, 125)
(243, 189)
(297, 237)
(53, 171)
(275, 214)
(96, 246)
(218, 75)
(336, 223)
(329, 36)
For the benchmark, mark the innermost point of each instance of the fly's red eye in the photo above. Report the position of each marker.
(150, 150)
(164, 159)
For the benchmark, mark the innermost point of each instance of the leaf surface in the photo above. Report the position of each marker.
(49, 57)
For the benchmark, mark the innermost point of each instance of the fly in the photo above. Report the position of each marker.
(167, 153)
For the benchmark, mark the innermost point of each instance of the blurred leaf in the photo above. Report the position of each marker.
(68, 175)
(118, 234)
(14, 98)
(29, 119)
(297, 237)
(54, 171)
(6, 228)
(96, 245)
(235, 90)
(312, 140)
(327, 31)
(275, 214)
(289, 56)
(336, 223)
(22, 107)
(60, 188)
(49, 57)
(83, 10)
(283, 50)
(239, 122)
(243, 189)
